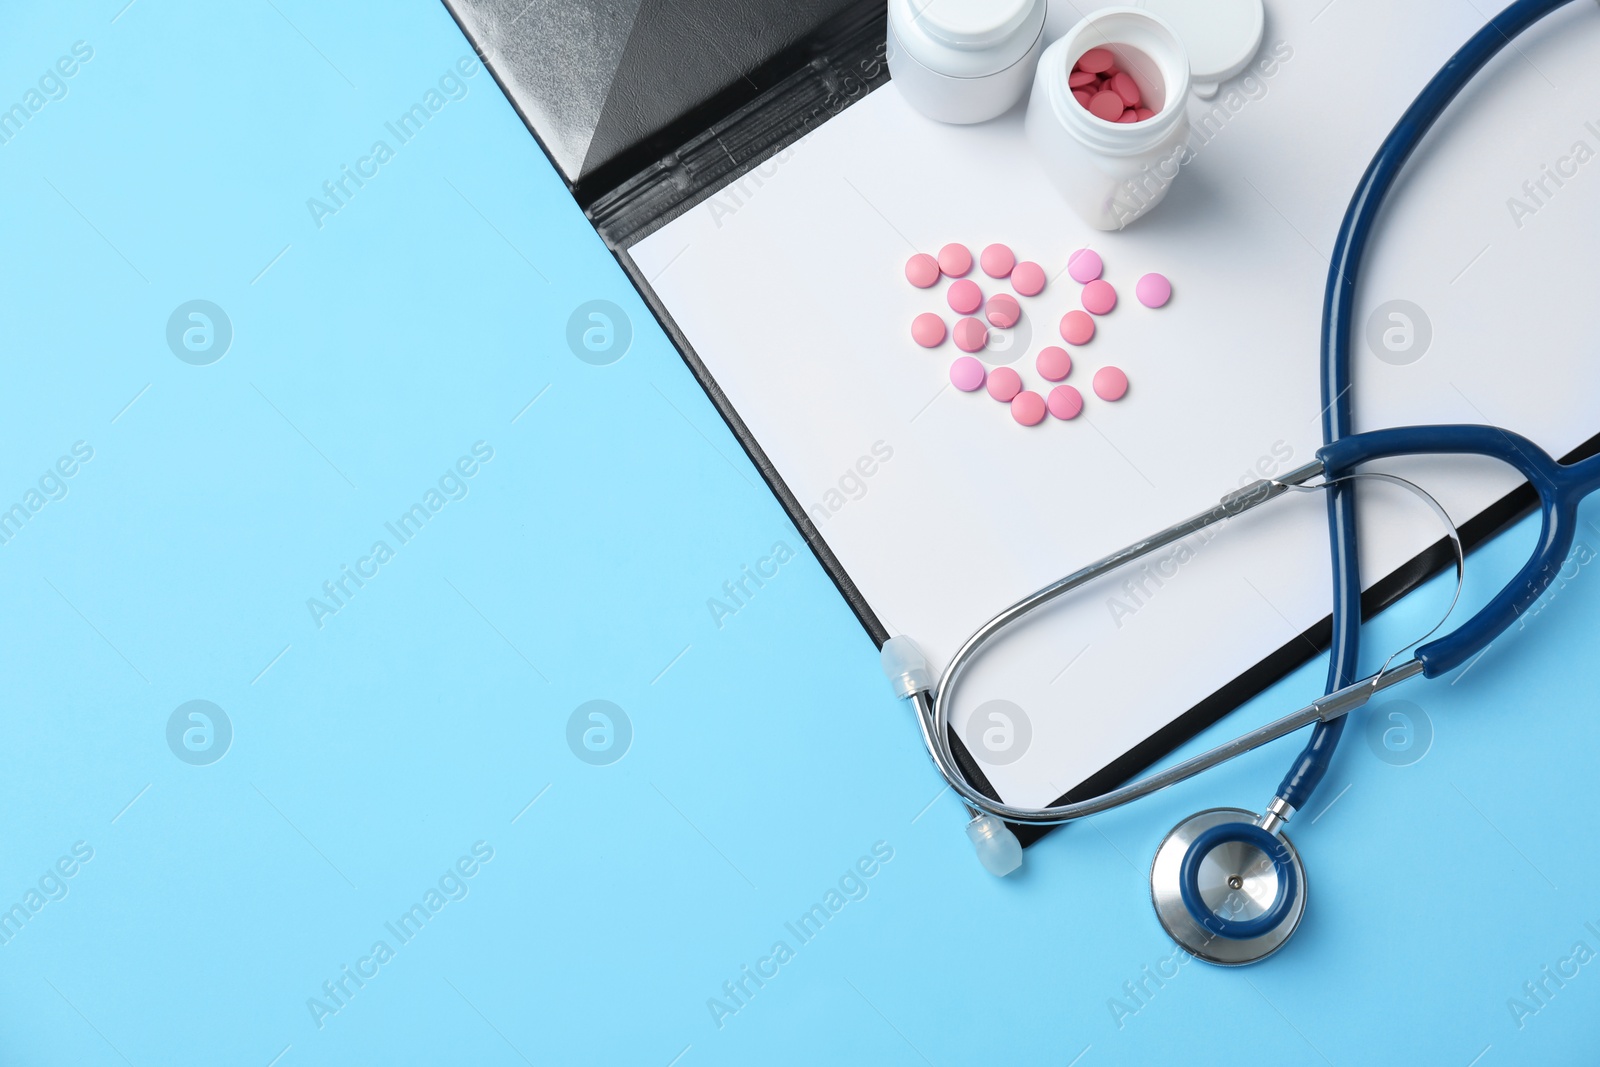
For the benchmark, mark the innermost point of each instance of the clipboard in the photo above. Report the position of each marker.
(753, 95)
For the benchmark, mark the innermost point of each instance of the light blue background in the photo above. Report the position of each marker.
(425, 716)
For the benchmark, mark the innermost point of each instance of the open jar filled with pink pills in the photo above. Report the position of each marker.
(1108, 115)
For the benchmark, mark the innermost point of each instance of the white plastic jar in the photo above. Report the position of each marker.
(964, 61)
(1112, 173)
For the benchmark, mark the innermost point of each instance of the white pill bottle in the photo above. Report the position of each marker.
(1113, 173)
(964, 61)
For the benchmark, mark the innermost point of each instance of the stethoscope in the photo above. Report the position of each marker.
(1227, 884)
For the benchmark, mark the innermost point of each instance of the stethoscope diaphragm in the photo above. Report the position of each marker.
(1246, 887)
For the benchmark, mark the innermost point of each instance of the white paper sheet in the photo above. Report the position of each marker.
(789, 286)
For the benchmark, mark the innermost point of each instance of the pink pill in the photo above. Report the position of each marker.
(967, 374)
(965, 297)
(1110, 383)
(1082, 97)
(955, 260)
(971, 335)
(927, 330)
(922, 270)
(1027, 278)
(1085, 265)
(1097, 60)
(1028, 408)
(1153, 290)
(1106, 105)
(1065, 402)
(1004, 383)
(1078, 79)
(1053, 363)
(1003, 311)
(1124, 86)
(1128, 116)
(1077, 327)
(1146, 113)
(998, 261)
(1099, 298)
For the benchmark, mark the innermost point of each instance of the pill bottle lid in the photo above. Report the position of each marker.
(1221, 36)
(972, 23)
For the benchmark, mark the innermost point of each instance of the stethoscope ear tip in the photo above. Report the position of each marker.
(998, 848)
(1227, 890)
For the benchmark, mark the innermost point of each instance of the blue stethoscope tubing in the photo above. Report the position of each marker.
(1338, 332)
(1560, 488)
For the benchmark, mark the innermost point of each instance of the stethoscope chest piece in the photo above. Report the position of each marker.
(1226, 890)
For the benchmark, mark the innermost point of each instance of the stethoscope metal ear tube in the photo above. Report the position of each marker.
(909, 674)
(1332, 706)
